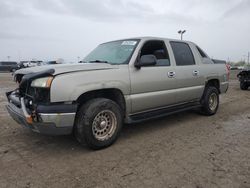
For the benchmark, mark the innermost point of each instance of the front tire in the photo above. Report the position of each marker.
(98, 123)
(210, 101)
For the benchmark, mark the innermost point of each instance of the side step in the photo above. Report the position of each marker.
(144, 116)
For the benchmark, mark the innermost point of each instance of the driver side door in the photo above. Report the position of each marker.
(152, 86)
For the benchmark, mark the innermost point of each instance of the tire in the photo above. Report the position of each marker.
(210, 101)
(243, 86)
(98, 123)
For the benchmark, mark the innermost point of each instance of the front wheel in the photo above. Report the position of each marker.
(210, 101)
(98, 123)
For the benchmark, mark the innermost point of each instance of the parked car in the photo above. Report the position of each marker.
(124, 81)
(10, 66)
(51, 63)
(244, 78)
(25, 64)
(54, 62)
(233, 68)
(240, 67)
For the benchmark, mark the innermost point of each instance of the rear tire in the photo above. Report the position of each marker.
(243, 86)
(98, 123)
(210, 101)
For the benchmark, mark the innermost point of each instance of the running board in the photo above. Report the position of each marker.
(144, 116)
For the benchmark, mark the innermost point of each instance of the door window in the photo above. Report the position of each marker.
(182, 53)
(158, 49)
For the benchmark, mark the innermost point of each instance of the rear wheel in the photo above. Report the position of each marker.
(98, 123)
(210, 101)
(243, 86)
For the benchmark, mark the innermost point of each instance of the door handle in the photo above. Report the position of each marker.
(195, 73)
(171, 74)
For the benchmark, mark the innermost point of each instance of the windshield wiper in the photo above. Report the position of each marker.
(99, 61)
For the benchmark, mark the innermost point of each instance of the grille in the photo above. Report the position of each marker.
(38, 95)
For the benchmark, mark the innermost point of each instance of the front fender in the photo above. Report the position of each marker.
(68, 87)
(81, 89)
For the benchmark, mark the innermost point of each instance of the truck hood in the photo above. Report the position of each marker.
(67, 68)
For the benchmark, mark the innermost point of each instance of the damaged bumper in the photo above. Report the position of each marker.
(54, 119)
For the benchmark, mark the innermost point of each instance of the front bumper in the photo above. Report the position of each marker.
(50, 120)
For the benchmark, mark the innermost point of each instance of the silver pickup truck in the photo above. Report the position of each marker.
(123, 81)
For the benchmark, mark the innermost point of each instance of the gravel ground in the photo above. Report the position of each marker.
(181, 150)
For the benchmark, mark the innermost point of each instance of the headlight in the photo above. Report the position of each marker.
(42, 82)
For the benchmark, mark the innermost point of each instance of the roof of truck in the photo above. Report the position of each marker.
(150, 38)
(153, 38)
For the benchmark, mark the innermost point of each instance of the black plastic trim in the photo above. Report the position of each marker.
(154, 114)
(57, 108)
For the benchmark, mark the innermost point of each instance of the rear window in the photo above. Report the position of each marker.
(8, 63)
(4, 63)
(12, 63)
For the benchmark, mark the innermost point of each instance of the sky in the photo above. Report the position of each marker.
(70, 29)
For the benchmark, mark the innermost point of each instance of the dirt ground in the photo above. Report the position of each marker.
(182, 150)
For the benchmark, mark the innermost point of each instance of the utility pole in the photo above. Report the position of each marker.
(248, 54)
(244, 59)
(19, 55)
(181, 32)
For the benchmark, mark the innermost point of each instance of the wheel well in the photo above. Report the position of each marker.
(113, 94)
(213, 82)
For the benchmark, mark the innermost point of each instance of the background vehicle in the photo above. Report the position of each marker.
(10, 66)
(244, 78)
(25, 64)
(51, 63)
(127, 81)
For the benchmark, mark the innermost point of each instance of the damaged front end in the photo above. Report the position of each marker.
(27, 97)
(29, 105)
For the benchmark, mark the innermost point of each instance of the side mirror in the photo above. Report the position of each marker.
(146, 60)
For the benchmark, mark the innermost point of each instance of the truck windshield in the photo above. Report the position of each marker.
(117, 52)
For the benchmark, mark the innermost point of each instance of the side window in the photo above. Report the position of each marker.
(201, 52)
(182, 53)
(159, 50)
